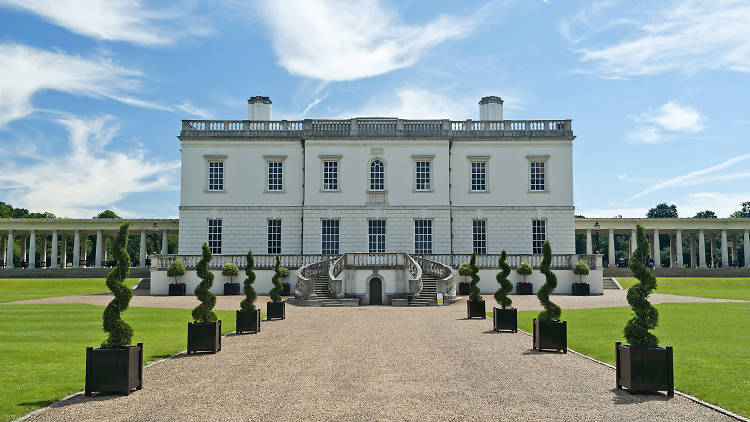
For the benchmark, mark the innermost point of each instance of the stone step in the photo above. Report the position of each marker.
(609, 283)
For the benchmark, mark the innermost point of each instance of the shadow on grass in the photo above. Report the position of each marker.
(36, 404)
(624, 396)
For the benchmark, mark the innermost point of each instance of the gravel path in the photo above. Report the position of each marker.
(379, 363)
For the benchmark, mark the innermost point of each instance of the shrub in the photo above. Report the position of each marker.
(474, 295)
(524, 269)
(176, 269)
(230, 270)
(248, 303)
(275, 293)
(551, 311)
(581, 269)
(283, 272)
(464, 269)
(501, 295)
(120, 333)
(203, 312)
(646, 316)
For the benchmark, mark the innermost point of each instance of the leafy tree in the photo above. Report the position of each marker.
(743, 212)
(524, 269)
(176, 269)
(581, 268)
(107, 214)
(275, 293)
(230, 270)
(551, 311)
(663, 211)
(203, 312)
(501, 295)
(119, 331)
(705, 214)
(646, 316)
(8, 211)
(474, 295)
(248, 304)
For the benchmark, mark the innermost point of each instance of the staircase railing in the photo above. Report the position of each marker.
(444, 274)
(306, 274)
(335, 284)
(415, 271)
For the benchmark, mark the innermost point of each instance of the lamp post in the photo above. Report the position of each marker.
(596, 236)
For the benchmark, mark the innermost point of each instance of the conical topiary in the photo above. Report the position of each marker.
(646, 316)
(501, 295)
(248, 304)
(551, 311)
(204, 312)
(474, 295)
(275, 293)
(119, 331)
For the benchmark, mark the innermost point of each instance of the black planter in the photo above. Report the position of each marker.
(285, 289)
(177, 289)
(248, 321)
(581, 289)
(644, 369)
(505, 319)
(204, 337)
(231, 289)
(551, 335)
(114, 370)
(524, 288)
(475, 309)
(463, 288)
(275, 310)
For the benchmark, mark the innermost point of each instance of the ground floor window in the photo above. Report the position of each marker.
(274, 237)
(376, 236)
(422, 236)
(330, 237)
(538, 235)
(479, 236)
(214, 236)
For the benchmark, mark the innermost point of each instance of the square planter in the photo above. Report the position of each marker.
(248, 321)
(505, 319)
(204, 337)
(231, 289)
(285, 289)
(581, 289)
(463, 289)
(114, 370)
(644, 369)
(177, 289)
(475, 309)
(275, 310)
(551, 335)
(524, 288)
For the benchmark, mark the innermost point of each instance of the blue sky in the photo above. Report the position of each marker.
(92, 92)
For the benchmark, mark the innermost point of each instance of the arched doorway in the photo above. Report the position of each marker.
(376, 291)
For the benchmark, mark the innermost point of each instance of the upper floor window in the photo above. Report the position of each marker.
(478, 176)
(479, 236)
(537, 176)
(275, 176)
(376, 236)
(330, 175)
(538, 235)
(377, 175)
(329, 237)
(215, 175)
(423, 175)
(274, 237)
(422, 236)
(214, 236)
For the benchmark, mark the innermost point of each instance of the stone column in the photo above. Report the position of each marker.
(43, 255)
(633, 241)
(3, 251)
(84, 249)
(611, 247)
(724, 250)
(746, 238)
(701, 249)
(142, 252)
(713, 251)
(64, 252)
(24, 253)
(735, 252)
(53, 256)
(693, 252)
(657, 250)
(678, 243)
(77, 249)
(98, 253)
(589, 248)
(104, 245)
(32, 249)
(165, 242)
(9, 251)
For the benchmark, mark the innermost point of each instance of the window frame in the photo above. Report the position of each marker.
(370, 174)
(274, 159)
(215, 250)
(475, 240)
(426, 241)
(207, 180)
(537, 159)
(537, 250)
(375, 238)
(269, 234)
(429, 159)
(326, 159)
(323, 235)
(486, 161)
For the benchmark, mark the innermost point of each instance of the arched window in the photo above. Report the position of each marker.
(377, 175)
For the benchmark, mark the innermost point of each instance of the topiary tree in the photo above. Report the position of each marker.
(176, 269)
(203, 312)
(551, 311)
(474, 295)
(120, 333)
(581, 269)
(230, 270)
(275, 293)
(248, 304)
(524, 269)
(501, 295)
(646, 316)
(464, 269)
(283, 272)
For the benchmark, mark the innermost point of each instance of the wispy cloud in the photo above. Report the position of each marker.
(313, 104)
(670, 117)
(190, 108)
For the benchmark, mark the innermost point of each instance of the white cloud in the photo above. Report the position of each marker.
(115, 20)
(671, 117)
(87, 176)
(190, 108)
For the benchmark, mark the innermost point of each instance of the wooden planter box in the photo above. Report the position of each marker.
(114, 370)
(463, 289)
(505, 319)
(177, 289)
(231, 289)
(644, 369)
(551, 335)
(275, 310)
(524, 288)
(581, 289)
(204, 337)
(248, 321)
(285, 289)
(475, 309)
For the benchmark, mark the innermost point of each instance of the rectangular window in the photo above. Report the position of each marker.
(478, 176)
(215, 175)
(376, 235)
(330, 237)
(538, 235)
(479, 236)
(330, 175)
(214, 236)
(274, 237)
(537, 176)
(275, 176)
(422, 236)
(423, 175)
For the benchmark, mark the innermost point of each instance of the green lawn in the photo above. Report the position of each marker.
(43, 347)
(718, 288)
(710, 341)
(13, 289)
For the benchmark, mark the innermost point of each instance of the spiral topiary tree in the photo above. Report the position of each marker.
(551, 311)
(204, 312)
(501, 295)
(646, 316)
(120, 333)
(230, 270)
(176, 269)
(275, 293)
(474, 295)
(248, 303)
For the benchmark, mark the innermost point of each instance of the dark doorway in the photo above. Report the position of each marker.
(376, 292)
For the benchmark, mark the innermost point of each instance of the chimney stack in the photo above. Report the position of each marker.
(491, 108)
(259, 108)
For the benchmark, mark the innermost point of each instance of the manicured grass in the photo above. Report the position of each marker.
(717, 288)
(13, 289)
(710, 341)
(42, 347)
